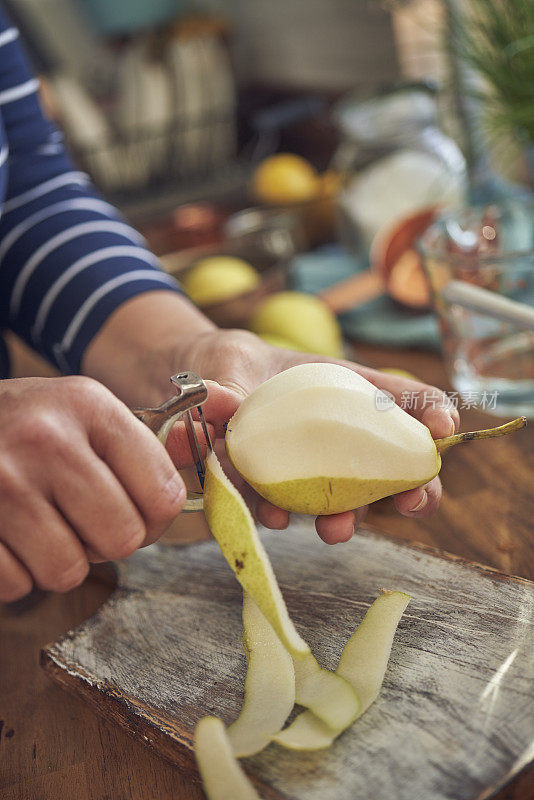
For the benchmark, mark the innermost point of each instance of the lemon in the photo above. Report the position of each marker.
(285, 178)
(219, 278)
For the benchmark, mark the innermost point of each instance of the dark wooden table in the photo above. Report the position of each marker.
(53, 748)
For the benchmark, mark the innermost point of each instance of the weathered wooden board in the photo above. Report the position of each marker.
(454, 721)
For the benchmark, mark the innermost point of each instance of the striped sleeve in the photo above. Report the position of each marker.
(67, 258)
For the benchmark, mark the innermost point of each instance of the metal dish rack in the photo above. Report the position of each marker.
(119, 167)
(114, 164)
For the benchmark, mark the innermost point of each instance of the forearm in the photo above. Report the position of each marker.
(68, 259)
(141, 343)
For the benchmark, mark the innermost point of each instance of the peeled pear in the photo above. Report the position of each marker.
(321, 439)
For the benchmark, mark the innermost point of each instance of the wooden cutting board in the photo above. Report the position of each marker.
(454, 720)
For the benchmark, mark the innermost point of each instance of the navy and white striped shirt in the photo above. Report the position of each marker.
(67, 258)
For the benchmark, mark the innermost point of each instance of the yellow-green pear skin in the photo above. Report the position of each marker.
(269, 685)
(363, 664)
(222, 776)
(279, 341)
(320, 496)
(300, 318)
(219, 278)
(319, 439)
(232, 525)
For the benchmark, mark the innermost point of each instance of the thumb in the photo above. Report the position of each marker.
(235, 388)
(223, 401)
(221, 404)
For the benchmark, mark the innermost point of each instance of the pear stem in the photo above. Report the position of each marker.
(442, 445)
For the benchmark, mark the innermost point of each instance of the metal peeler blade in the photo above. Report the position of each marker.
(191, 394)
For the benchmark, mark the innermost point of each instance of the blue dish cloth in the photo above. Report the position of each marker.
(380, 321)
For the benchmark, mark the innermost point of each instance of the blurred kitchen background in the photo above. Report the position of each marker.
(284, 157)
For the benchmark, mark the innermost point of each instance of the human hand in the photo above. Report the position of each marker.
(159, 333)
(241, 361)
(81, 479)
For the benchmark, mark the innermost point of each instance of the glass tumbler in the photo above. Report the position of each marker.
(480, 265)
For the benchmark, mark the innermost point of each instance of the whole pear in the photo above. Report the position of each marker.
(218, 278)
(299, 318)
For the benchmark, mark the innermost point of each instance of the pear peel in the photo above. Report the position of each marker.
(363, 663)
(222, 777)
(306, 732)
(273, 684)
(328, 696)
(365, 657)
(269, 685)
(232, 525)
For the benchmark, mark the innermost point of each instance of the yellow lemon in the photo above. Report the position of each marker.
(285, 178)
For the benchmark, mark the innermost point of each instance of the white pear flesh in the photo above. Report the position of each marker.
(363, 663)
(222, 777)
(232, 525)
(269, 685)
(275, 682)
(365, 657)
(307, 732)
(316, 439)
(328, 696)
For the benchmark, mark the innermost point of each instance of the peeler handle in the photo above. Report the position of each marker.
(192, 392)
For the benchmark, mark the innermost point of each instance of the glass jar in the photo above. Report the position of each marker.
(396, 161)
(480, 264)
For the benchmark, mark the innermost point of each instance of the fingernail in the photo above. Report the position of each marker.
(452, 428)
(421, 504)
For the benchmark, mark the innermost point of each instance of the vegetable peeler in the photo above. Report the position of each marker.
(191, 394)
